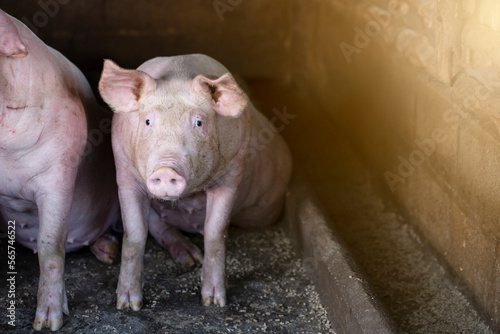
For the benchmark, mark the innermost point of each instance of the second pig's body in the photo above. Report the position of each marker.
(57, 188)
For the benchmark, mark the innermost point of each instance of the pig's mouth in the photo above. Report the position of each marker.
(168, 199)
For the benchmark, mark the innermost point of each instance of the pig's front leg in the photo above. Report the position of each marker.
(54, 210)
(220, 202)
(179, 246)
(135, 210)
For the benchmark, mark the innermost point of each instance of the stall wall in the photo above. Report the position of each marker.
(249, 37)
(415, 85)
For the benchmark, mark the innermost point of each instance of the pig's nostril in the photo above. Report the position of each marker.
(166, 182)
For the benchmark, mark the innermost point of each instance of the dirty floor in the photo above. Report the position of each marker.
(268, 292)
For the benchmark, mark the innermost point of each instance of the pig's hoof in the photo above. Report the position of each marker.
(53, 324)
(49, 315)
(106, 249)
(213, 294)
(129, 291)
(180, 247)
(208, 300)
(185, 253)
(124, 302)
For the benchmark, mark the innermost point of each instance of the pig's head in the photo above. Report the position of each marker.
(11, 44)
(184, 130)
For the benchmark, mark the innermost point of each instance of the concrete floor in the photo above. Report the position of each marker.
(405, 276)
(268, 292)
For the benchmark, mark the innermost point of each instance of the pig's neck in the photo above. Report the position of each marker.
(231, 163)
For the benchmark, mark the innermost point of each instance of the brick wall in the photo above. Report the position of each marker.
(415, 84)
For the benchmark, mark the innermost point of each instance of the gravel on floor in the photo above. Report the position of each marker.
(268, 291)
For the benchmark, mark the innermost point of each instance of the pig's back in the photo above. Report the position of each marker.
(183, 67)
(267, 172)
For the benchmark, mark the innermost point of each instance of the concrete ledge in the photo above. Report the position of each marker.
(351, 306)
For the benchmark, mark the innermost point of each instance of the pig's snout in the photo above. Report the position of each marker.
(165, 182)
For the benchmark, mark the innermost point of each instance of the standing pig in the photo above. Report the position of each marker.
(185, 140)
(57, 186)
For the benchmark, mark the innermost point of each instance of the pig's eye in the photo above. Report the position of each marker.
(198, 124)
(149, 121)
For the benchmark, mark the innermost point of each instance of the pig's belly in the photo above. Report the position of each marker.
(25, 215)
(187, 214)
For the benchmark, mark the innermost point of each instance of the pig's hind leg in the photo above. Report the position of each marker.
(179, 246)
(105, 248)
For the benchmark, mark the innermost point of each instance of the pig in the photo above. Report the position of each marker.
(189, 156)
(58, 185)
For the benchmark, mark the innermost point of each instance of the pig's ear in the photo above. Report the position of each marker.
(11, 44)
(122, 89)
(227, 97)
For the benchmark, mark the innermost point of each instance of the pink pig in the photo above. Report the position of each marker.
(186, 143)
(57, 184)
